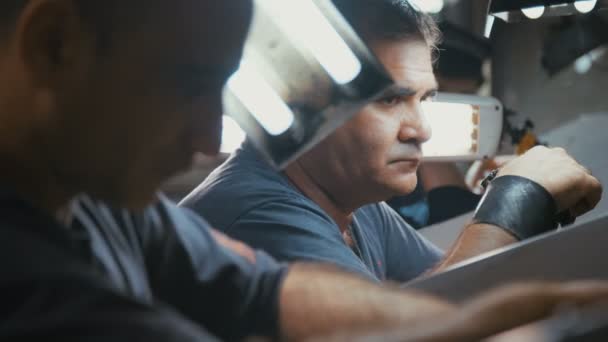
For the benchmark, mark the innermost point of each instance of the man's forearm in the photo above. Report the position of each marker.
(318, 300)
(474, 240)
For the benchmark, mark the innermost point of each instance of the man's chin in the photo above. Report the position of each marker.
(405, 190)
(405, 186)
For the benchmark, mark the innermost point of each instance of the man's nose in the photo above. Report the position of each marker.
(414, 125)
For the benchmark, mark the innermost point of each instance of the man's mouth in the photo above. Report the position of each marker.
(409, 159)
(406, 153)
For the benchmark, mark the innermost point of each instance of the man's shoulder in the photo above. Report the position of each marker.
(262, 206)
(241, 184)
(266, 215)
(243, 170)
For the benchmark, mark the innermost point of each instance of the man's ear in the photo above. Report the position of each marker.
(53, 43)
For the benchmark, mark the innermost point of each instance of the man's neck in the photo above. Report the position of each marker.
(308, 186)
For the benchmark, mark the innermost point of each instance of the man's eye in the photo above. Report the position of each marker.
(391, 100)
(430, 98)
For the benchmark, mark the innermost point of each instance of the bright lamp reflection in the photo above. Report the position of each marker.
(534, 12)
(302, 20)
(429, 6)
(585, 6)
(261, 100)
(232, 135)
(453, 127)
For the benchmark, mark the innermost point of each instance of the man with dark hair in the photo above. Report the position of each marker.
(441, 192)
(112, 114)
(326, 206)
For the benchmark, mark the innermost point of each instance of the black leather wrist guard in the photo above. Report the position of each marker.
(518, 205)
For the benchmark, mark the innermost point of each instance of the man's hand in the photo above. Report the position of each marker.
(495, 312)
(515, 305)
(478, 171)
(571, 185)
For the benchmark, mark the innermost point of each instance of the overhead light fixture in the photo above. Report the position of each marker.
(429, 6)
(517, 10)
(533, 12)
(585, 6)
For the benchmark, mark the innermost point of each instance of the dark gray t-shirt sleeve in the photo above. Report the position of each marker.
(51, 291)
(73, 308)
(232, 294)
(408, 254)
(294, 231)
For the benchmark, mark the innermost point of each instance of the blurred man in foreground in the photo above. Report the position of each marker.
(109, 98)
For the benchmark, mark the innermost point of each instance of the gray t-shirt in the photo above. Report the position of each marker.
(250, 201)
(155, 275)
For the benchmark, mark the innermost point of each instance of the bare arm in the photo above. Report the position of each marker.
(318, 300)
(474, 240)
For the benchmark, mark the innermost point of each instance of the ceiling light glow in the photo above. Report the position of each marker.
(534, 12)
(585, 6)
(429, 6)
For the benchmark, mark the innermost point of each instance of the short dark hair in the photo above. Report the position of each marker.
(389, 20)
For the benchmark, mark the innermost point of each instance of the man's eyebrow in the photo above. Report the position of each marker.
(398, 91)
